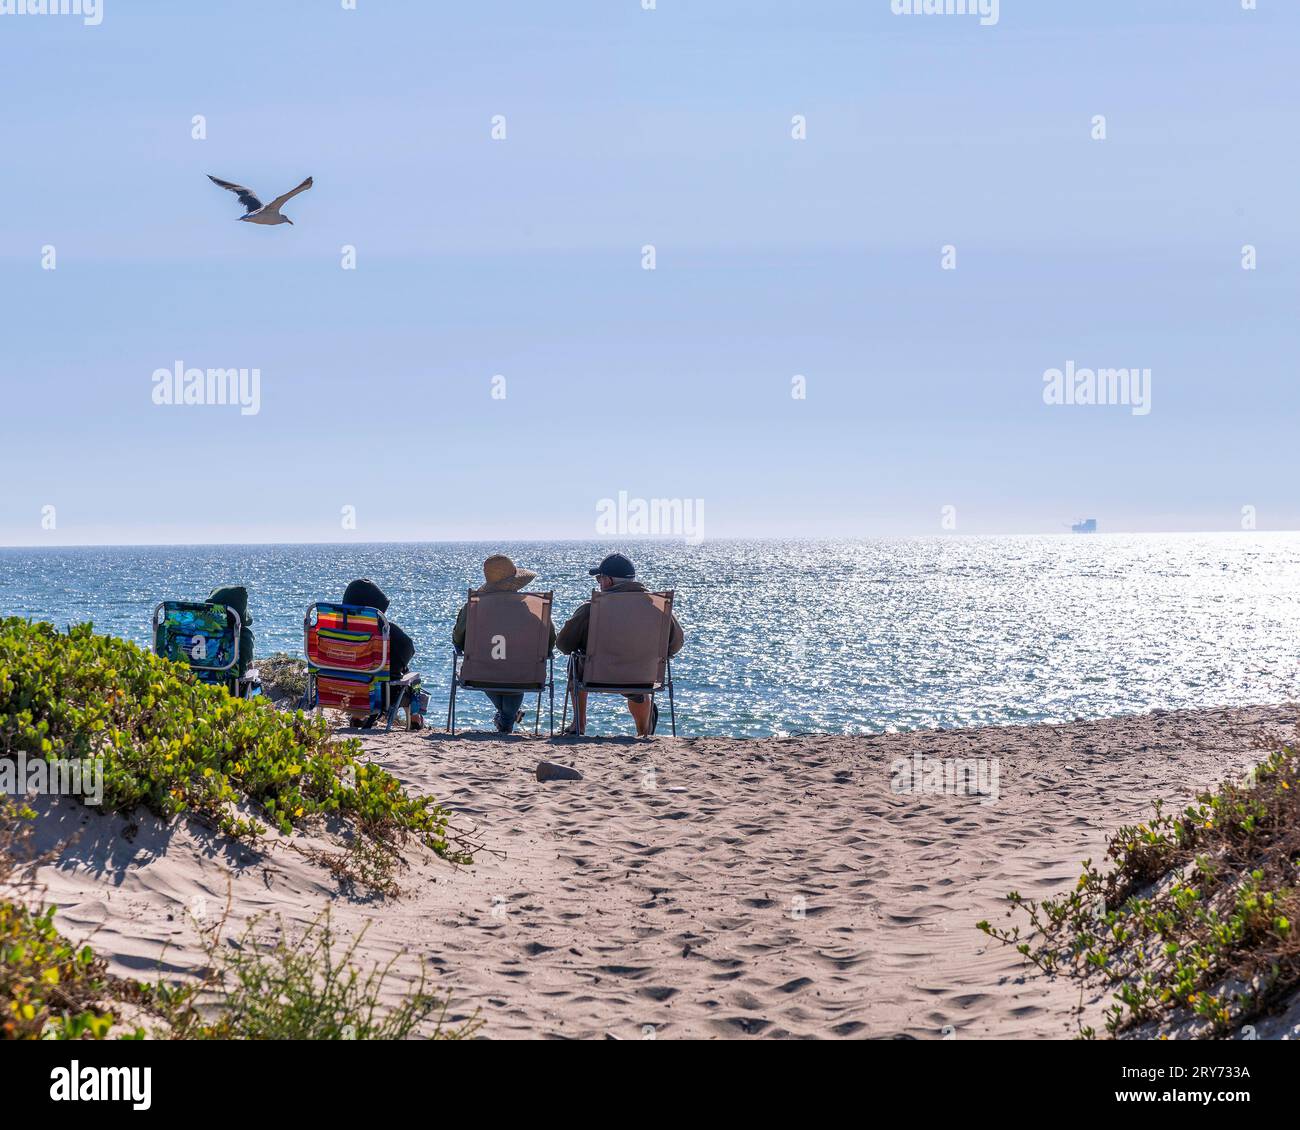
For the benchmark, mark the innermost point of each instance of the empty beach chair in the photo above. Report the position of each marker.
(507, 650)
(627, 649)
(205, 636)
(346, 646)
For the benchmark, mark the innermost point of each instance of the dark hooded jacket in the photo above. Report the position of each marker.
(236, 597)
(401, 650)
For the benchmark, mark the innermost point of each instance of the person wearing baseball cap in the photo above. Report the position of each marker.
(615, 573)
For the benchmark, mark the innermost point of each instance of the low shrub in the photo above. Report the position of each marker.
(1194, 922)
(48, 986)
(284, 677)
(290, 987)
(178, 746)
(298, 986)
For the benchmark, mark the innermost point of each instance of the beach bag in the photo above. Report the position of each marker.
(419, 704)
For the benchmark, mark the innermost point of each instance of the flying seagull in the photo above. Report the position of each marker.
(259, 213)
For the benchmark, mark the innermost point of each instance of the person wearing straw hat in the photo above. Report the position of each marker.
(500, 574)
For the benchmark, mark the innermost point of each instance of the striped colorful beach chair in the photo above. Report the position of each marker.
(205, 637)
(347, 665)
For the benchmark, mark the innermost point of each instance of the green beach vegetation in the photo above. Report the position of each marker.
(177, 746)
(180, 748)
(48, 987)
(1193, 924)
(284, 676)
(267, 986)
(275, 984)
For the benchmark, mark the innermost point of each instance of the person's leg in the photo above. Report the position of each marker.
(579, 723)
(638, 706)
(510, 711)
(507, 710)
(495, 699)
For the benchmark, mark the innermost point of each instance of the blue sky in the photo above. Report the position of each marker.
(522, 257)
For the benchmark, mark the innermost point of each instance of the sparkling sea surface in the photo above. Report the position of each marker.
(787, 637)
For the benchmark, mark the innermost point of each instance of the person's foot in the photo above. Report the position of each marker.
(570, 731)
(503, 725)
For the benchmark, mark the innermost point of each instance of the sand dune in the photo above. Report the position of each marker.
(696, 888)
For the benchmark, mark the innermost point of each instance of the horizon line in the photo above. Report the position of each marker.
(647, 541)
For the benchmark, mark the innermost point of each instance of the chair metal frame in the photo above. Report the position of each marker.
(408, 685)
(241, 686)
(574, 684)
(457, 657)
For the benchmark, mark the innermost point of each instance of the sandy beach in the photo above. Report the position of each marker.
(691, 888)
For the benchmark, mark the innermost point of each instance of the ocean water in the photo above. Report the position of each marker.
(786, 637)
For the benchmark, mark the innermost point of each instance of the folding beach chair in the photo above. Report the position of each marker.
(507, 649)
(627, 649)
(205, 637)
(347, 665)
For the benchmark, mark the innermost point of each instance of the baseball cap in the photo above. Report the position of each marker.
(615, 565)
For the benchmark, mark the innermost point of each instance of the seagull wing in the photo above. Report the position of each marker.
(274, 206)
(246, 198)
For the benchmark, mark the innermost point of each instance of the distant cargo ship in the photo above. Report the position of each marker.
(1087, 526)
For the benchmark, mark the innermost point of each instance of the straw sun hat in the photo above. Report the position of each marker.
(503, 576)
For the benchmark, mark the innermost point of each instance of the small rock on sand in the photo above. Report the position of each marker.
(549, 771)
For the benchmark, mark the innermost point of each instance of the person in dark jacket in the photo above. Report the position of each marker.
(401, 650)
(615, 574)
(236, 597)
